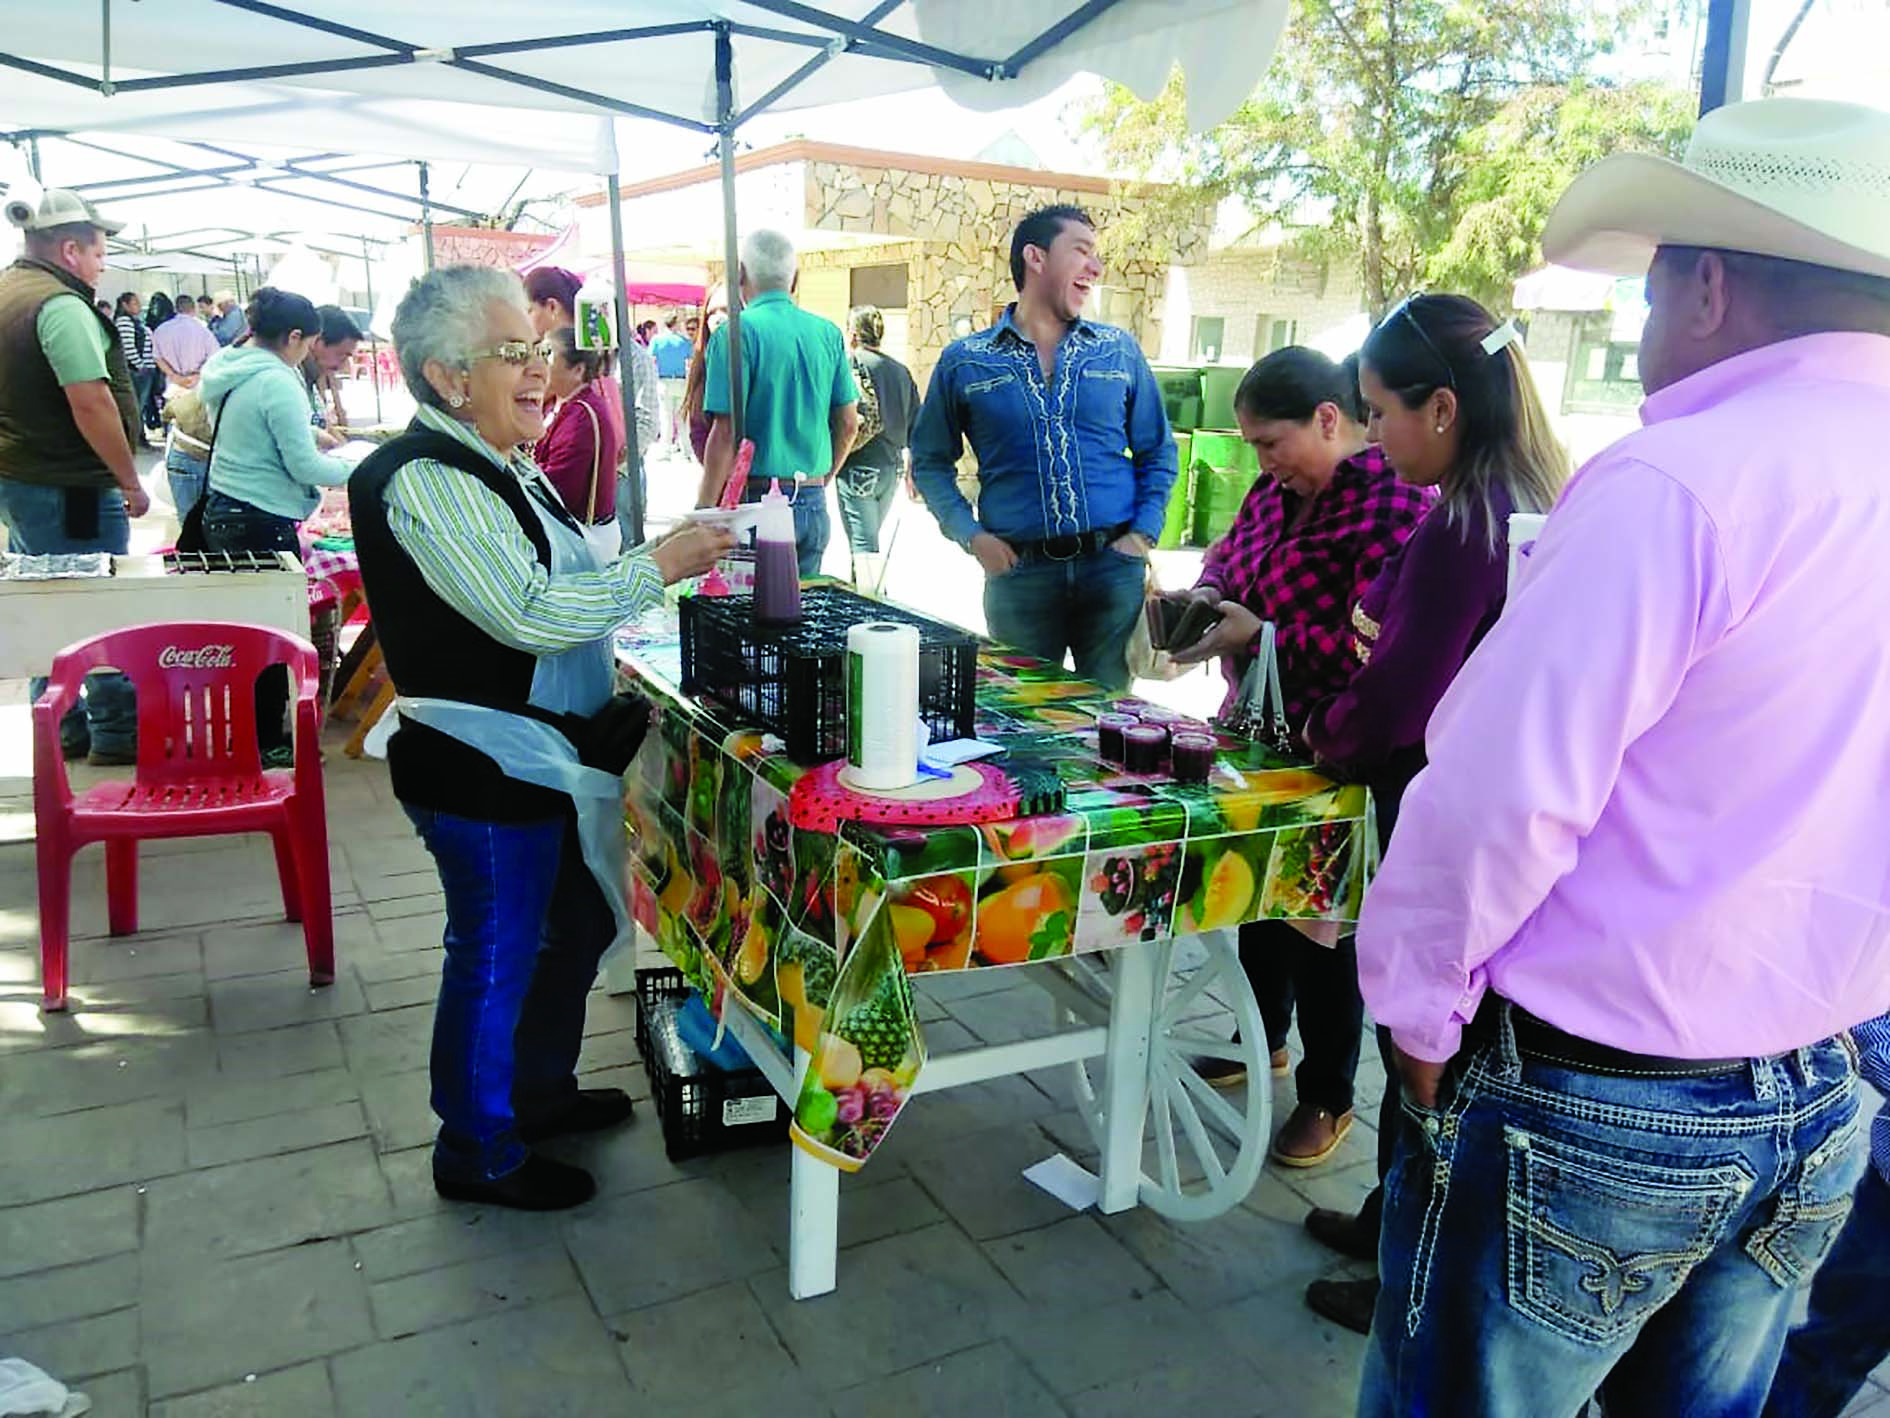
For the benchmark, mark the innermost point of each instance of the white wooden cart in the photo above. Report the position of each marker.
(1127, 1022)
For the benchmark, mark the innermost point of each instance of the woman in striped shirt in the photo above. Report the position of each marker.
(496, 621)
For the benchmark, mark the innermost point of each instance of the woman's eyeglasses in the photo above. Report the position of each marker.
(517, 352)
(1403, 308)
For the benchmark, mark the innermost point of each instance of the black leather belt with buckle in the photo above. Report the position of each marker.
(1543, 1042)
(1070, 547)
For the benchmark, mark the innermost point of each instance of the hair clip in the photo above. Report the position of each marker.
(1501, 337)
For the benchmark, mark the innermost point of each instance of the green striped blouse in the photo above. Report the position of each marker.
(473, 555)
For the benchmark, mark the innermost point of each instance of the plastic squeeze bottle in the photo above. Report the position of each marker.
(777, 566)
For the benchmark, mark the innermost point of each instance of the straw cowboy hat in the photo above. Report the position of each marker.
(1800, 179)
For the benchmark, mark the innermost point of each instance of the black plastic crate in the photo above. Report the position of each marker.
(702, 1108)
(792, 679)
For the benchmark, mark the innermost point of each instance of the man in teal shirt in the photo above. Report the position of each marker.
(799, 401)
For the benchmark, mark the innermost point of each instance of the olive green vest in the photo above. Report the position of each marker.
(39, 440)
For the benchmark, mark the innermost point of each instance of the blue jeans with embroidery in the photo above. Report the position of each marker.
(43, 521)
(1550, 1233)
(1086, 605)
(525, 927)
(1847, 1334)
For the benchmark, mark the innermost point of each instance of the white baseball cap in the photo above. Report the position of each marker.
(58, 207)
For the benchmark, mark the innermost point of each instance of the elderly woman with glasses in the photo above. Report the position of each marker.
(496, 618)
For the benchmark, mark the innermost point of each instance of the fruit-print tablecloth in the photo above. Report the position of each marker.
(817, 933)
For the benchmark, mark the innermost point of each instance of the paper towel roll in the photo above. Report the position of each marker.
(883, 705)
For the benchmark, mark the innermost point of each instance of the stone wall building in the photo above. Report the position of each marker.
(925, 239)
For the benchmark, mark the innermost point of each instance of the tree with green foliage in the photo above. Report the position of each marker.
(1425, 140)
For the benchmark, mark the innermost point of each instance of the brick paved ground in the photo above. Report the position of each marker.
(214, 1200)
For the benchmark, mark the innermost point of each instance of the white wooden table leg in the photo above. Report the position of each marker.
(620, 970)
(1125, 1086)
(813, 1215)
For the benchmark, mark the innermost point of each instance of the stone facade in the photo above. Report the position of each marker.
(958, 261)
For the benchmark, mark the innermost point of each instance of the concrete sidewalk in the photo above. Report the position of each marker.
(215, 1199)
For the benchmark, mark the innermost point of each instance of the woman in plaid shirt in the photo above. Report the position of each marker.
(1308, 540)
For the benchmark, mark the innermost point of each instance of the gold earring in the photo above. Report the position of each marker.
(457, 401)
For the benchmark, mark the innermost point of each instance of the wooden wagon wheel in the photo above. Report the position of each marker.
(1202, 1149)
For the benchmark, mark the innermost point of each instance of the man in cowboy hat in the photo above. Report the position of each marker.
(68, 420)
(1643, 890)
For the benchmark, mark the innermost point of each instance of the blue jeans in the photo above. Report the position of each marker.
(1549, 1233)
(188, 477)
(1847, 1334)
(525, 927)
(144, 385)
(812, 528)
(38, 523)
(1086, 606)
(866, 496)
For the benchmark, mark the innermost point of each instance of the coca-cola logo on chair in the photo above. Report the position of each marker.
(200, 657)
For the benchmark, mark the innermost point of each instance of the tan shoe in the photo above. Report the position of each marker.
(1310, 1136)
(1279, 1063)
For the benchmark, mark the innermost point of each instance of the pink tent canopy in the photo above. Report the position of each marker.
(650, 283)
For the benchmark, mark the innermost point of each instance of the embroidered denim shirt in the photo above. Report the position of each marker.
(1087, 449)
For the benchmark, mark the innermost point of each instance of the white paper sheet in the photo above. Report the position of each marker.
(953, 752)
(1076, 1187)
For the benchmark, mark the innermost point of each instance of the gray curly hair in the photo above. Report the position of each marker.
(444, 316)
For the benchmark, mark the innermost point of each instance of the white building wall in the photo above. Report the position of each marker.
(1241, 287)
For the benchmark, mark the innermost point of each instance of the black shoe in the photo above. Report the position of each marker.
(1221, 1073)
(1343, 1232)
(1345, 1302)
(112, 757)
(594, 1110)
(70, 750)
(539, 1185)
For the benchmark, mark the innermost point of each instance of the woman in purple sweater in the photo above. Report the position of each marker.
(1452, 406)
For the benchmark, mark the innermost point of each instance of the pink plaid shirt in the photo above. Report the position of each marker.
(1306, 579)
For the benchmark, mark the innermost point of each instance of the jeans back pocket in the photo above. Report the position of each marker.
(1810, 1209)
(1597, 1242)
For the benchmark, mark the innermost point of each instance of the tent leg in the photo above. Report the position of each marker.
(426, 213)
(1723, 62)
(731, 241)
(632, 445)
(374, 345)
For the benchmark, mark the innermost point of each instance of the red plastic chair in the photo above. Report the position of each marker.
(199, 774)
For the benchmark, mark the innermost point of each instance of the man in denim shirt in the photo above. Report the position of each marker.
(1075, 460)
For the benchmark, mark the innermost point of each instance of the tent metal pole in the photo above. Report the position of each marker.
(426, 213)
(373, 341)
(632, 445)
(32, 158)
(731, 240)
(1723, 62)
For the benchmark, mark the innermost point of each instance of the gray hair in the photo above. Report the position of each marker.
(768, 258)
(444, 316)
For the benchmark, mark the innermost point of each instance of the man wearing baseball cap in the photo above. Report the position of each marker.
(68, 420)
(1642, 893)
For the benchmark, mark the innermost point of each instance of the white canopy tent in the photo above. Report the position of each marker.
(539, 87)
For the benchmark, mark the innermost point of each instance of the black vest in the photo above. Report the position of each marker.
(435, 652)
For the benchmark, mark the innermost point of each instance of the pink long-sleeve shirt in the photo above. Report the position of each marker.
(1657, 812)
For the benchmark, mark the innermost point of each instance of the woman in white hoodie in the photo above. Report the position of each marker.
(266, 474)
